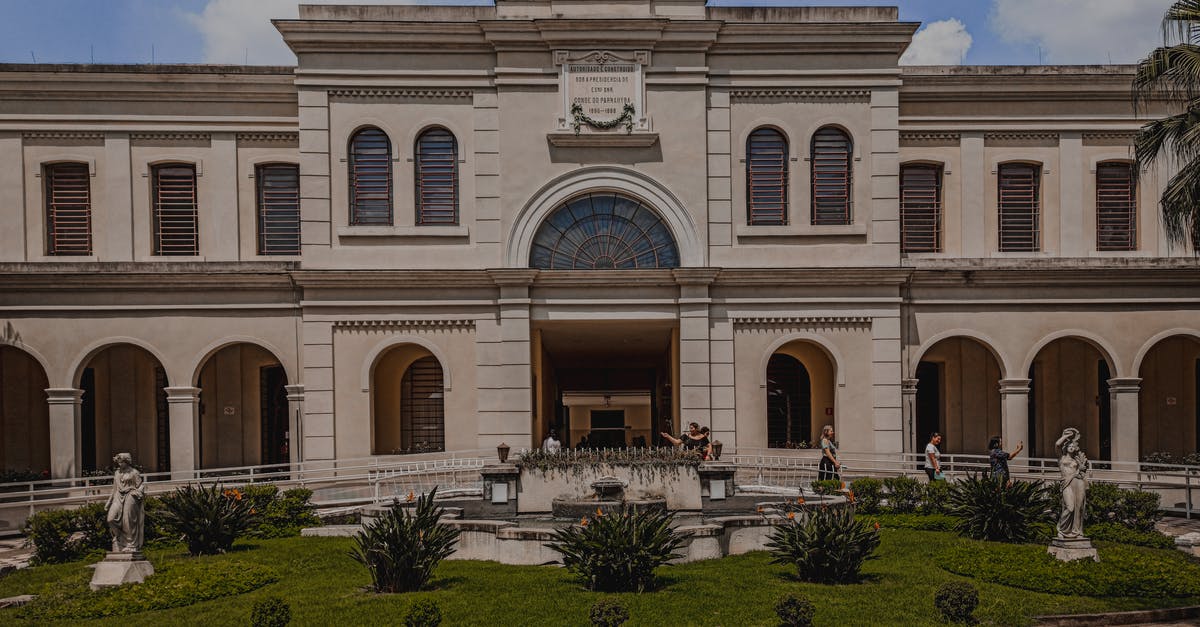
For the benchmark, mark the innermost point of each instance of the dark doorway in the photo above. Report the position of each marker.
(162, 417)
(608, 429)
(789, 402)
(1196, 393)
(87, 419)
(1032, 412)
(274, 409)
(929, 401)
(1104, 403)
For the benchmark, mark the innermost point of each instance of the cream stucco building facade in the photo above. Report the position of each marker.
(412, 241)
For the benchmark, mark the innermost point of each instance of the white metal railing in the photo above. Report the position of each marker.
(334, 482)
(1175, 483)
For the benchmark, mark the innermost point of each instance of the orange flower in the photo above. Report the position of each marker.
(876, 526)
(599, 512)
(760, 509)
(850, 496)
(843, 485)
(791, 515)
(411, 497)
(583, 522)
(800, 500)
(253, 511)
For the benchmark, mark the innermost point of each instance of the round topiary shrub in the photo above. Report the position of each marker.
(956, 601)
(608, 613)
(270, 612)
(795, 611)
(423, 613)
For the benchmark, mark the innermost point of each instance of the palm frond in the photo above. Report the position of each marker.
(1170, 72)
(1180, 205)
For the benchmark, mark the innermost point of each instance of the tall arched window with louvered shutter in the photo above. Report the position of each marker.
(68, 209)
(920, 208)
(1116, 206)
(831, 176)
(437, 177)
(767, 178)
(176, 219)
(1020, 207)
(370, 178)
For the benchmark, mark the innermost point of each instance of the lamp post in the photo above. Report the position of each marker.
(502, 452)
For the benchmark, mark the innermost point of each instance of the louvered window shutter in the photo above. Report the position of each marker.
(370, 178)
(831, 177)
(1116, 207)
(437, 177)
(1020, 207)
(278, 209)
(68, 209)
(767, 178)
(921, 209)
(176, 228)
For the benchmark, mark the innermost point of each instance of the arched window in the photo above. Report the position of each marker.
(789, 402)
(831, 176)
(68, 209)
(176, 219)
(370, 178)
(437, 177)
(1020, 207)
(767, 177)
(1116, 206)
(920, 208)
(603, 231)
(422, 407)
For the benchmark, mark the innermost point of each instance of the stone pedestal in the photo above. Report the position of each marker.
(1071, 549)
(121, 568)
(716, 480)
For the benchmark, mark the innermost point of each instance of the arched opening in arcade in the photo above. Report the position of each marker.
(1168, 414)
(124, 409)
(243, 408)
(1069, 388)
(24, 416)
(408, 403)
(606, 378)
(801, 390)
(958, 395)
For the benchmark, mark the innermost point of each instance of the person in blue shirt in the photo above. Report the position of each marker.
(998, 458)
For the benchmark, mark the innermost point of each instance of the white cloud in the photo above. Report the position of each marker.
(240, 31)
(939, 43)
(1082, 31)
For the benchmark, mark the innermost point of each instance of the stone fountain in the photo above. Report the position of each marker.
(608, 496)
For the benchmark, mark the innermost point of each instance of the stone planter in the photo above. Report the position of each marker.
(678, 485)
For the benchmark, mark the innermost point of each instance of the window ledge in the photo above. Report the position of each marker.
(172, 258)
(1036, 254)
(1118, 253)
(460, 232)
(801, 231)
(67, 258)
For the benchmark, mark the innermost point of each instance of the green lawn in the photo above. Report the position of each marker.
(325, 586)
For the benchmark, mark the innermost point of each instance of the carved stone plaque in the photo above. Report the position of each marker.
(602, 90)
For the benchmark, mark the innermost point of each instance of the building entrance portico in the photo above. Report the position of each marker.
(605, 383)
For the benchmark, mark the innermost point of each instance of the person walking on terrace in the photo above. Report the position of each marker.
(933, 458)
(829, 467)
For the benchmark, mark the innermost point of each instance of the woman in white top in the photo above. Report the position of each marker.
(551, 443)
(933, 457)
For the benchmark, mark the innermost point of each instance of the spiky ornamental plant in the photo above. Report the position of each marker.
(826, 545)
(988, 508)
(618, 552)
(207, 518)
(402, 548)
(1171, 75)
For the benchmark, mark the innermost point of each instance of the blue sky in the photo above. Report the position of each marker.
(236, 31)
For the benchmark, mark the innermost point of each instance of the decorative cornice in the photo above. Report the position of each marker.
(801, 321)
(401, 93)
(269, 137)
(61, 135)
(385, 325)
(929, 136)
(1121, 135)
(1020, 136)
(171, 136)
(821, 95)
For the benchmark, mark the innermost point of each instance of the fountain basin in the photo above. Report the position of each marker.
(574, 509)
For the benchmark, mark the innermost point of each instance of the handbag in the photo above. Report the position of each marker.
(938, 476)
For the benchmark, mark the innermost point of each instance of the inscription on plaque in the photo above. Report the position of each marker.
(602, 89)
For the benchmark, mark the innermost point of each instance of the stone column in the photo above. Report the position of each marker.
(66, 447)
(908, 394)
(1014, 410)
(1123, 427)
(504, 365)
(183, 404)
(295, 397)
(695, 372)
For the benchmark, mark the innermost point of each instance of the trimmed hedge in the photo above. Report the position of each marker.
(1125, 535)
(919, 522)
(1123, 571)
(176, 585)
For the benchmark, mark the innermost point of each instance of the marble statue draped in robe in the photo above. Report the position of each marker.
(1073, 466)
(125, 506)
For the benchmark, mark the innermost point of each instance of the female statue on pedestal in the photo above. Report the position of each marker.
(125, 513)
(1074, 468)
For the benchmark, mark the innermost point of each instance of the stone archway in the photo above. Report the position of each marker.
(801, 380)
(603, 231)
(1168, 411)
(243, 409)
(24, 413)
(407, 402)
(958, 395)
(124, 408)
(1069, 388)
